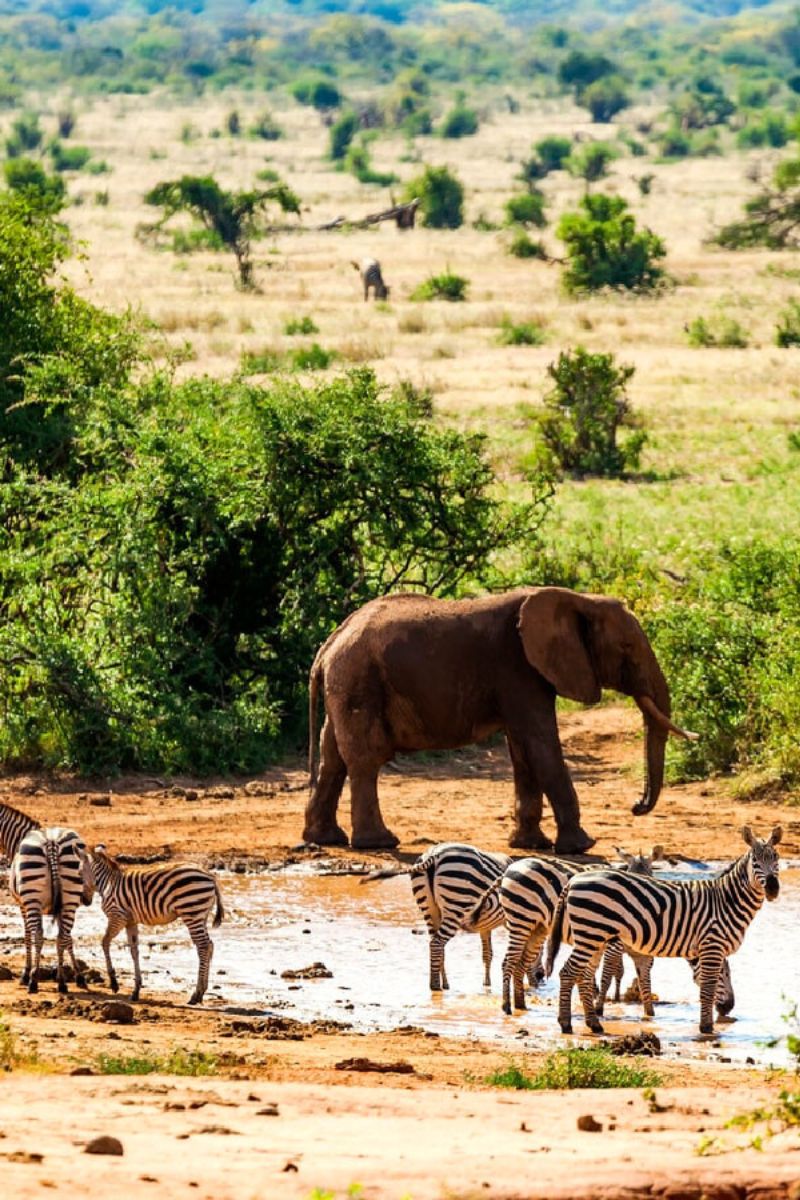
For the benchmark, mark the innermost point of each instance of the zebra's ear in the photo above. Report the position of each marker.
(776, 835)
(624, 855)
(748, 835)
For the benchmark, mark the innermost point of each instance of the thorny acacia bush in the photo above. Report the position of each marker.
(605, 249)
(172, 556)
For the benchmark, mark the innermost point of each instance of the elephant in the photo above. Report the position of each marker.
(409, 672)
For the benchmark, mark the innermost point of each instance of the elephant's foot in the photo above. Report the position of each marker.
(529, 839)
(374, 839)
(325, 835)
(575, 841)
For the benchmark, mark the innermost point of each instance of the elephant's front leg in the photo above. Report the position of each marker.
(321, 826)
(527, 833)
(544, 750)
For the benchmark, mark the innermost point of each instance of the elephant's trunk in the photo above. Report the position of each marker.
(657, 727)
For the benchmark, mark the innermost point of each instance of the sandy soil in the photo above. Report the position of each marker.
(435, 1130)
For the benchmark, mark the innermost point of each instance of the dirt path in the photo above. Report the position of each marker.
(434, 1130)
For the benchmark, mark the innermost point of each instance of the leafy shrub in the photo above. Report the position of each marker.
(787, 331)
(69, 158)
(312, 358)
(521, 333)
(591, 161)
(553, 152)
(266, 127)
(523, 246)
(526, 209)
(446, 286)
(297, 325)
(26, 135)
(604, 98)
(441, 197)
(233, 123)
(459, 122)
(576, 1068)
(718, 330)
(316, 91)
(605, 249)
(584, 413)
(342, 133)
(357, 162)
(418, 123)
(39, 189)
(769, 128)
(65, 121)
(261, 362)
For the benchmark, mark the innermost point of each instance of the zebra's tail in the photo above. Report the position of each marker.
(556, 935)
(220, 913)
(475, 916)
(51, 856)
(385, 873)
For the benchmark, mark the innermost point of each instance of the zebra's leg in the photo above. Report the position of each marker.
(115, 922)
(612, 962)
(576, 968)
(65, 935)
(205, 951)
(439, 939)
(37, 932)
(513, 967)
(486, 955)
(26, 974)
(531, 954)
(132, 931)
(709, 971)
(586, 988)
(64, 926)
(643, 964)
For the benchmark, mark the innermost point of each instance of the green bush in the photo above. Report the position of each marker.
(26, 135)
(312, 358)
(266, 127)
(297, 325)
(768, 128)
(604, 98)
(39, 189)
(446, 286)
(605, 249)
(526, 209)
(459, 122)
(357, 162)
(441, 198)
(342, 133)
(316, 91)
(718, 330)
(591, 161)
(418, 123)
(69, 158)
(523, 246)
(521, 333)
(553, 151)
(576, 1068)
(584, 413)
(787, 331)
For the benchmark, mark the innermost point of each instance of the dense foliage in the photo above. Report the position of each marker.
(605, 248)
(172, 556)
(441, 197)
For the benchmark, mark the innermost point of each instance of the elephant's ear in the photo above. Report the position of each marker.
(553, 626)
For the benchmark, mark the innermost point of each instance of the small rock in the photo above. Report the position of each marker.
(317, 970)
(117, 1012)
(81, 1071)
(367, 1064)
(191, 794)
(6, 972)
(100, 801)
(587, 1124)
(105, 1144)
(270, 1111)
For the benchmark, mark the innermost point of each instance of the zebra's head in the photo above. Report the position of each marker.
(102, 867)
(763, 865)
(640, 864)
(87, 874)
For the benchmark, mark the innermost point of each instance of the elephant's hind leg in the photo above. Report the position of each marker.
(320, 823)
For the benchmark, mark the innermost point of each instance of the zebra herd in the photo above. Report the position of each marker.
(52, 873)
(602, 911)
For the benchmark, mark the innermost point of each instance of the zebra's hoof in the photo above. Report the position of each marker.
(134, 996)
(507, 1008)
(566, 1026)
(62, 988)
(112, 983)
(595, 1026)
(81, 982)
(195, 999)
(708, 1028)
(33, 987)
(520, 1005)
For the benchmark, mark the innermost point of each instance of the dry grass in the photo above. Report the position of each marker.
(714, 414)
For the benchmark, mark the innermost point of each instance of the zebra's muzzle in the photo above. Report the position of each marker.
(771, 887)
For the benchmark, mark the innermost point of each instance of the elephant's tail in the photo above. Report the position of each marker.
(314, 679)
(486, 913)
(556, 935)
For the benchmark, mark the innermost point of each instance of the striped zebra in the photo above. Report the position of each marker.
(703, 920)
(447, 881)
(156, 894)
(370, 271)
(13, 827)
(50, 874)
(526, 896)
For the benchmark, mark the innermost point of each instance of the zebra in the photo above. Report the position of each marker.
(14, 824)
(446, 882)
(703, 920)
(156, 894)
(527, 895)
(50, 874)
(371, 277)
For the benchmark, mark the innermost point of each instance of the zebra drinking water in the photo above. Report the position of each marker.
(447, 881)
(702, 919)
(156, 894)
(50, 874)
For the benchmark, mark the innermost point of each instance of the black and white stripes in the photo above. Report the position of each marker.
(13, 827)
(156, 894)
(704, 920)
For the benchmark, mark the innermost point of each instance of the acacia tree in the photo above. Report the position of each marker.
(232, 216)
(772, 218)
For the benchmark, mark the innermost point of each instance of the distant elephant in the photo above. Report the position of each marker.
(408, 672)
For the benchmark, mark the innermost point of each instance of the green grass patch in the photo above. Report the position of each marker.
(575, 1068)
(179, 1062)
(447, 286)
(299, 325)
(521, 333)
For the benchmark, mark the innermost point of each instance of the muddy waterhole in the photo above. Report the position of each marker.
(371, 939)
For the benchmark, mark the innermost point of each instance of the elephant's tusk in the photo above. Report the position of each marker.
(651, 708)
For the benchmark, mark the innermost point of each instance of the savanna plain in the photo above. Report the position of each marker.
(244, 1099)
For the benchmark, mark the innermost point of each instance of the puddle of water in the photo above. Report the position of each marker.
(371, 938)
